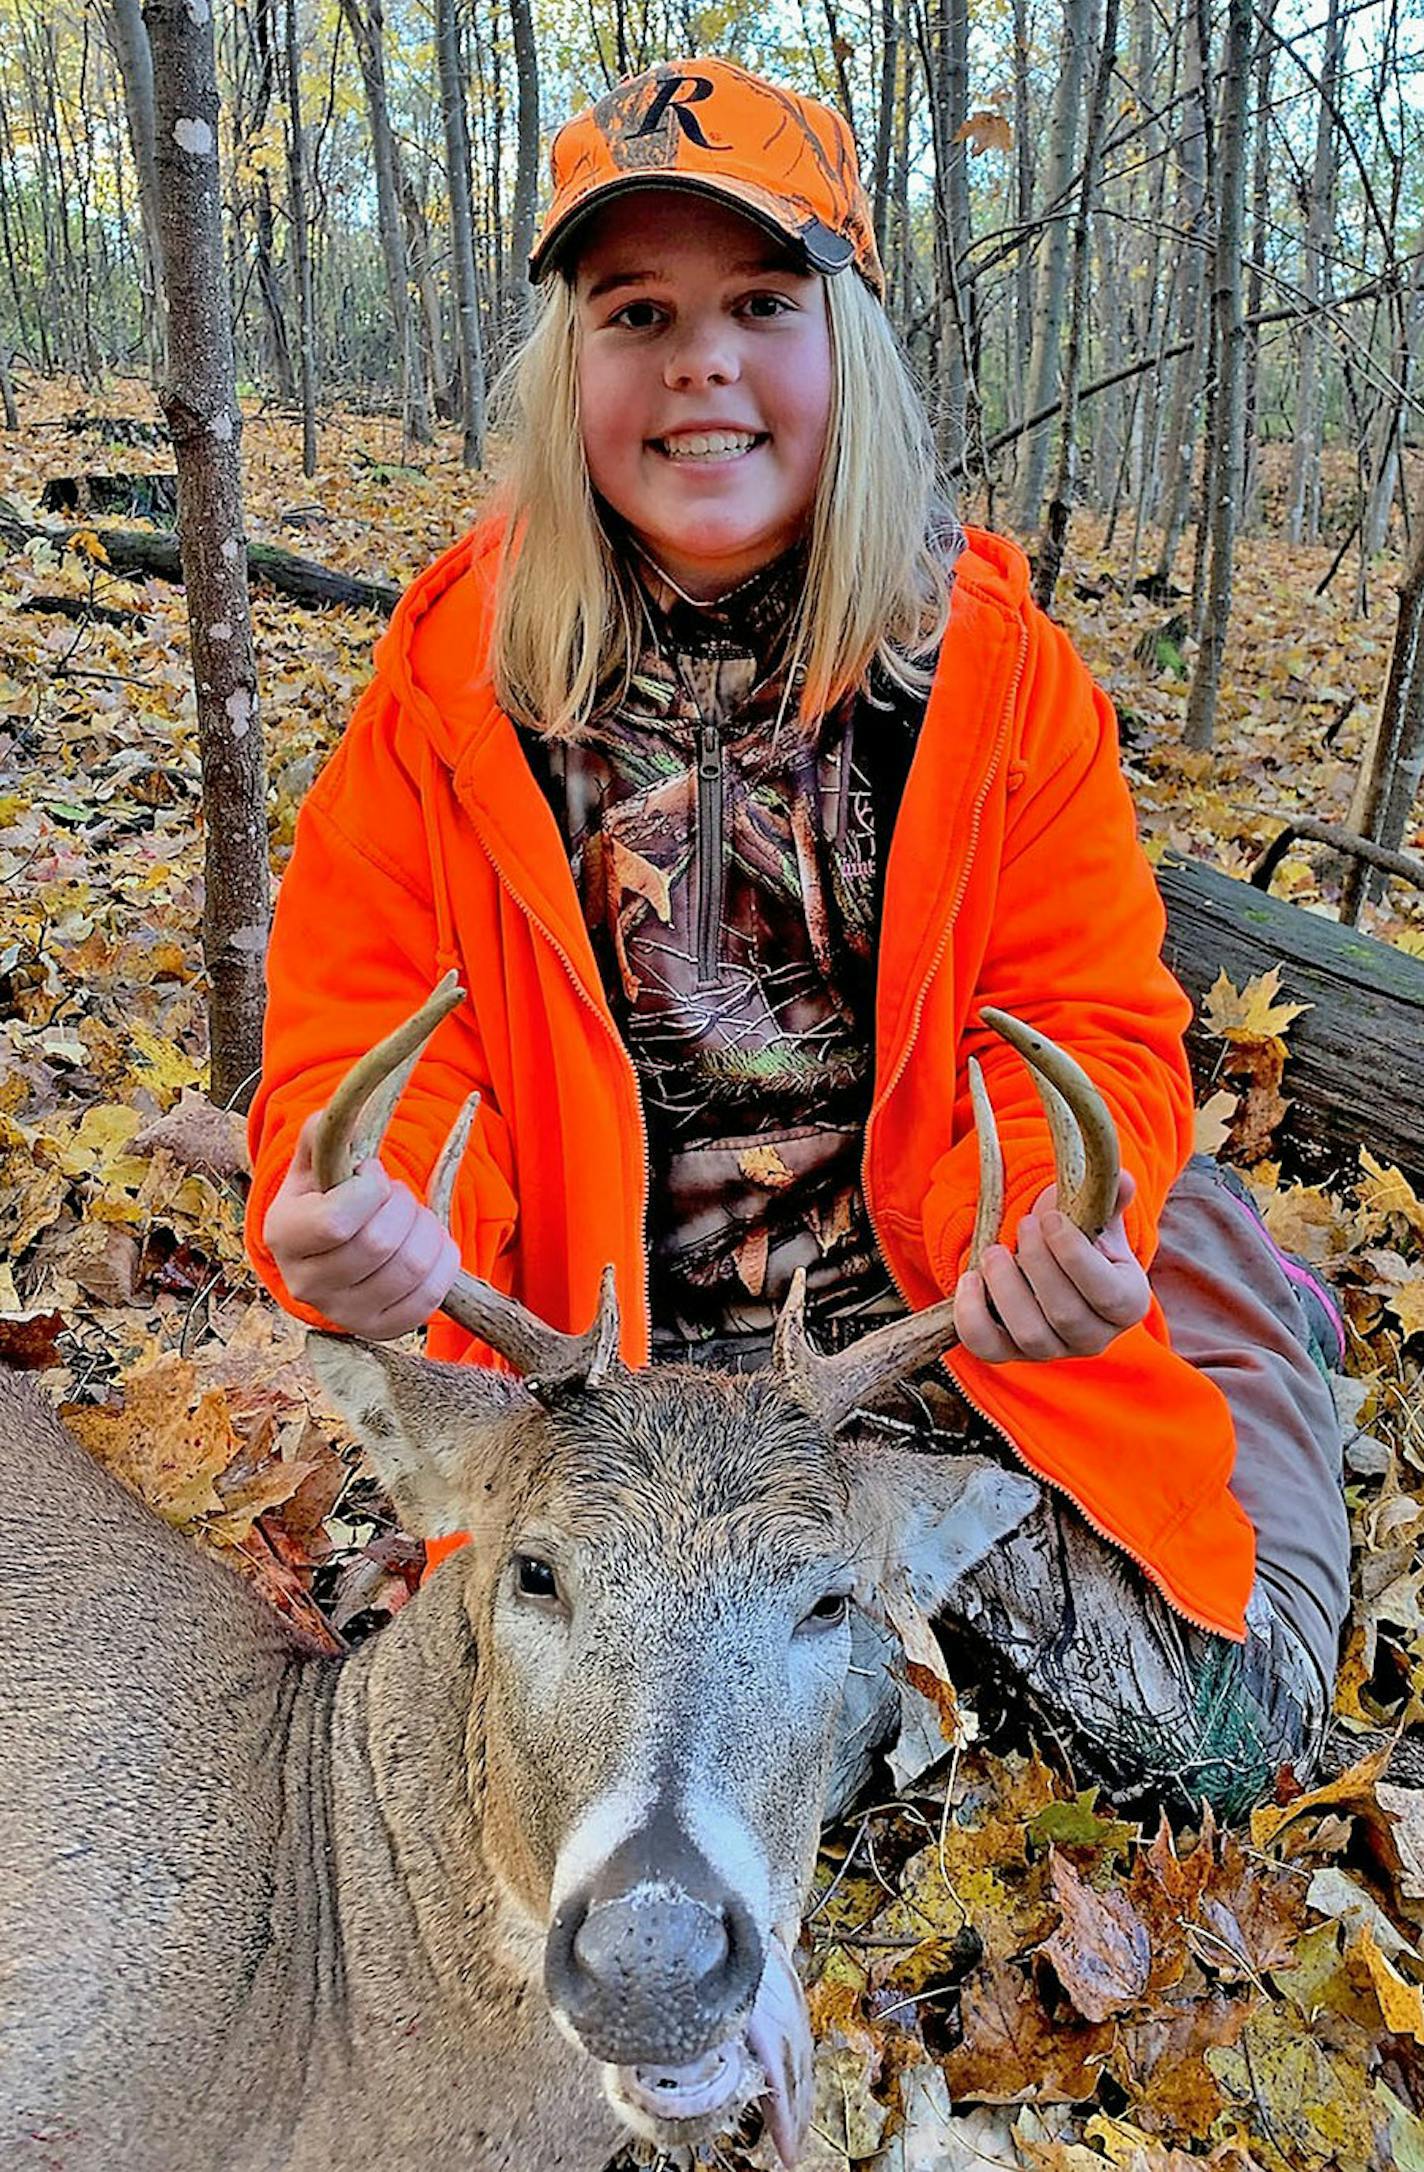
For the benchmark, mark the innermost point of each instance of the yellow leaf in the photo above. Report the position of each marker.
(1400, 2002)
(1389, 1192)
(1213, 1123)
(87, 545)
(169, 1454)
(100, 1140)
(986, 132)
(1250, 1013)
(168, 1066)
(1407, 1305)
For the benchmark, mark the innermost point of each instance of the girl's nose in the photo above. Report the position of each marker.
(703, 354)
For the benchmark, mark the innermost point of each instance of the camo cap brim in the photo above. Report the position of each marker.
(715, 129)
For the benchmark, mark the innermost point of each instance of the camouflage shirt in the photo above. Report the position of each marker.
(731, 875)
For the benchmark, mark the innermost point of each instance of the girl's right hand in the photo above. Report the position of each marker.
(368, 1255)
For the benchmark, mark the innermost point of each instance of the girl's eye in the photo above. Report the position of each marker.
(636, 316)
(535, 1578)
(768, 305)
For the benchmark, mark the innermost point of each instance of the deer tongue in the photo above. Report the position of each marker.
(770, 2063)
(779, 2039)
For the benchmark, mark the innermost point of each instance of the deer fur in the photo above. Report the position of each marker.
(265, 1912)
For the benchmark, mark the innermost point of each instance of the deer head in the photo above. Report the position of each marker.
(664, 1573)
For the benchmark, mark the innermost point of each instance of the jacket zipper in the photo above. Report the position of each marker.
(625, 1059)
(975, 821)
(710, 872)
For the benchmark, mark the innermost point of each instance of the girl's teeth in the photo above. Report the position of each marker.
(708, 443)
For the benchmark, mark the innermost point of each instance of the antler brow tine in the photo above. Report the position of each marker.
(350, 1131)
(1086, 1163)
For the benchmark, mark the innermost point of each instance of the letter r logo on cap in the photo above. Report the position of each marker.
(668, 101)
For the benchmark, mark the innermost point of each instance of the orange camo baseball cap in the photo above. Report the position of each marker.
(716, 129)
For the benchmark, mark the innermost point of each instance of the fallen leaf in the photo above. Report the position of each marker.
(1100, 1951)
(1250, 1014)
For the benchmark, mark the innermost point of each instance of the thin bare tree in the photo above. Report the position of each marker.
(462, 236)
(205, 423)
(1225, 450)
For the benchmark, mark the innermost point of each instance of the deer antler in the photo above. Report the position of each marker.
(1085, 1158)
(350, 1131)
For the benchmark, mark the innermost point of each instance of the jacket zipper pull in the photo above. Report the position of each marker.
(709, 766)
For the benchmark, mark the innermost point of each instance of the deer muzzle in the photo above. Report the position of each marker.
(654, 1976)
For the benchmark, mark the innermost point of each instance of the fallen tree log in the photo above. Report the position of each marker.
(135, 550)
(1355, 1069)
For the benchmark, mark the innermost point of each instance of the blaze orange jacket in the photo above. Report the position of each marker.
(1014, 878)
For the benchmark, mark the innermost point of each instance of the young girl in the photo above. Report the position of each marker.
(732, 779)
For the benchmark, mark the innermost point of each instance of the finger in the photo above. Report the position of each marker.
(1065, 1305)
(1107, 1276)
(381, 1238)
(1013, 1299)
(330, 1220)
(980, 1333)
(425, 1298)
(303, 1162)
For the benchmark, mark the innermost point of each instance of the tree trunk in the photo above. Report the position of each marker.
(205, 423)
(367, 28)
(1260, 245)
(1390, 773)
(948, 71)
(1229, 414)
(136, 69)
(1303, 508)
(1389, 419)
(885, 124)
(1023, 213)
(301, 237)
(1189, 375)
(526, 168)
(279, 346)
(1053, 264)
(462, 235)
(1055, 538)
(432, 365)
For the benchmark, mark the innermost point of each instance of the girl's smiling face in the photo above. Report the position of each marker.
(704, 382)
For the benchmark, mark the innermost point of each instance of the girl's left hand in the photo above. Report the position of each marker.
(1056, 1295)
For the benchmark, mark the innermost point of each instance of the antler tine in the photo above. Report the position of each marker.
(350, 1131)
(1085, 1160)
(547, 1359)
(353, 1122)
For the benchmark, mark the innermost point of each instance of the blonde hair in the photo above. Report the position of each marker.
(566, 629)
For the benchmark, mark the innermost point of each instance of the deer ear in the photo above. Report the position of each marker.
(436, 1433)
(925, 1520)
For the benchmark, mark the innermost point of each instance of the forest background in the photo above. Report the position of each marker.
(1160, 271)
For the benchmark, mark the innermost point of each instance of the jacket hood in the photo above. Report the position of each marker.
(430, 655)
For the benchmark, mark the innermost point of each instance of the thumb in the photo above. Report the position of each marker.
(301, 1170)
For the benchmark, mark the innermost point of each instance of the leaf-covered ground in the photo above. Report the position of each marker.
(1002, 1973)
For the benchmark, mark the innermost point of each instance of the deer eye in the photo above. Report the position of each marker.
(535, 1578)
(828, 1612)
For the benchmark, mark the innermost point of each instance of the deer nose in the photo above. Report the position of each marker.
(653, 1976)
